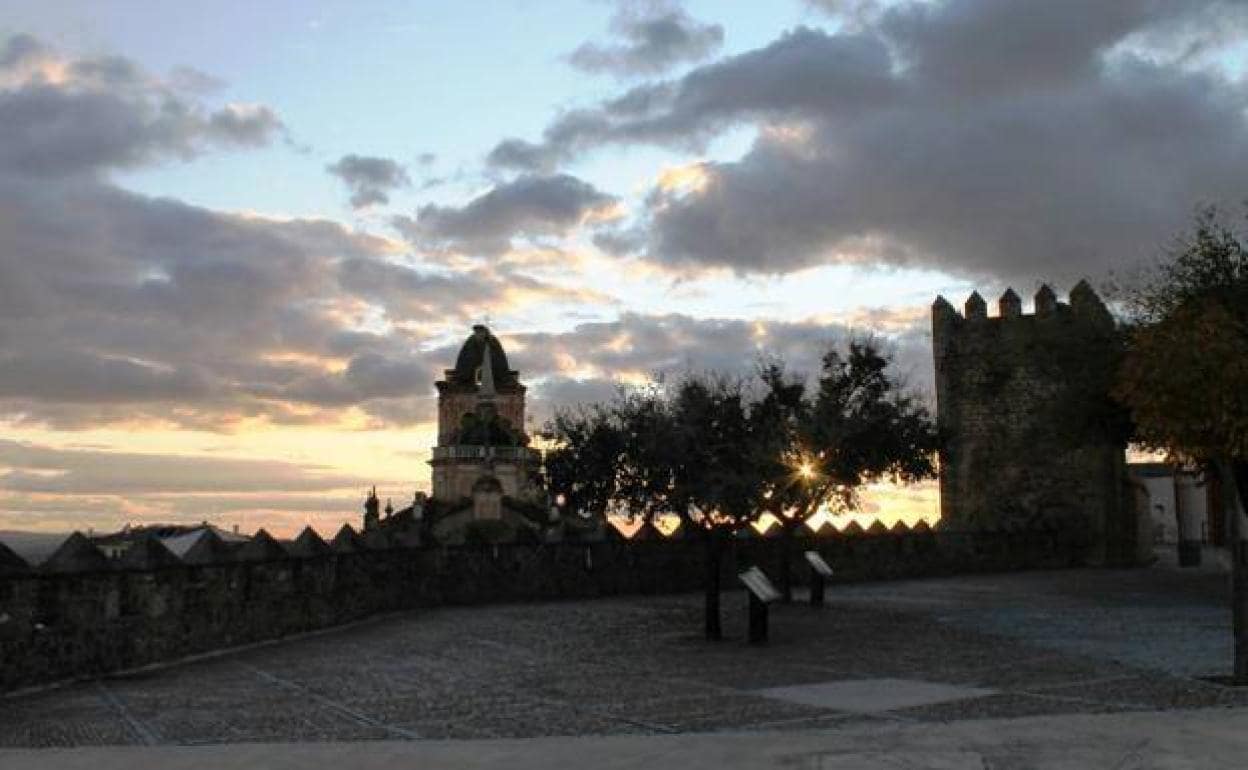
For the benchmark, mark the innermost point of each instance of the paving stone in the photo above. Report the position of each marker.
(638, 665)
(873, 695)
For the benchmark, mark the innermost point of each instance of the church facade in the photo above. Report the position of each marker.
(481, 439)
(486, 477)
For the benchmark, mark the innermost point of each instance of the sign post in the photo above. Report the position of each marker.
(819, 572)
(762, 593)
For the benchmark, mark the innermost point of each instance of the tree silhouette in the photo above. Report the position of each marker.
(703, 450)
(860, 426)
(1185, 372)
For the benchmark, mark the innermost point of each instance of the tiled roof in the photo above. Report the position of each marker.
(77, 554)
(262, 547)
(149, 553)
(11, 563)
(308, 543)
(208, 548)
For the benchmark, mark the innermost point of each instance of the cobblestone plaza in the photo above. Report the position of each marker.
(990, 646)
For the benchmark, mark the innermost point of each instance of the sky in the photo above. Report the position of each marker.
(239, 241)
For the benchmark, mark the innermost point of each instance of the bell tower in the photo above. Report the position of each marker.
(481, 424)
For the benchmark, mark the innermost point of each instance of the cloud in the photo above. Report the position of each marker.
(408, 294)
(804, 73)
(652, 40)
(33, 468)
(982, 138)
(47, 488)
(369, 179)
(138, 310)
(61, 116)
(530, 206)
(371, 380)
(108, 297)
(589, 362)
(124, 309)
(68, 376)
(244, 125)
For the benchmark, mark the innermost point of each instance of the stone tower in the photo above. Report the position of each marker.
(481, 425)
(1027, 428)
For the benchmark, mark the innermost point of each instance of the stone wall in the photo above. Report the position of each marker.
(1028, 435)
(454, 402)
(79, 617)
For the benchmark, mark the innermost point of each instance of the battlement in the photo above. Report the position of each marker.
(1013, 397)
(83, 613)
(1083, 303)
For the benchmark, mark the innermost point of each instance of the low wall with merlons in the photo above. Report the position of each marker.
(55, 627)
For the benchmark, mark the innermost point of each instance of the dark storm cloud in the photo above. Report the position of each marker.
(370, 180)
(986, 138)
(528, 206)
(61, 116)
(651, 41)
(41, 469)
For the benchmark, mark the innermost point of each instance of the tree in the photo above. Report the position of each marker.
(1185, 376)
(654, 452)
(701, 449)
(684, 454)
(860, 426)
(715, 482)
(581, 467)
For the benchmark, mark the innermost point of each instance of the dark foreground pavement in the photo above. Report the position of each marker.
(1191, 740)
(884, 659)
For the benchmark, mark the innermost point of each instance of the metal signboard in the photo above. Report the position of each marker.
(818, 564)
(759, 585)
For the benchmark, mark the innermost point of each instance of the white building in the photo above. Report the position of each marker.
(1175, 495)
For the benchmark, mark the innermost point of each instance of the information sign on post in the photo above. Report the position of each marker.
(818, 564)
(760, 587)
(762, 593)
(819, 572)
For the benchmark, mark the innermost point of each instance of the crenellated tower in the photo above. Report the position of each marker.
(1022, 402)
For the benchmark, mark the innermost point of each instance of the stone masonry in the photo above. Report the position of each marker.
(1027, 427)
(81, 614)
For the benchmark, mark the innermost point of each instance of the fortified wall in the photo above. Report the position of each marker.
(83, 614)
(1029, 435)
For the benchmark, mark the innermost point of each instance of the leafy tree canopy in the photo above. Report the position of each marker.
(1185, 375)
(719, 452)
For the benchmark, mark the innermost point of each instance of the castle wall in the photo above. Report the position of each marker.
(1021, 403)
(55, 627)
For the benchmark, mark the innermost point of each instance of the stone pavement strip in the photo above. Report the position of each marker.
(1175, 740)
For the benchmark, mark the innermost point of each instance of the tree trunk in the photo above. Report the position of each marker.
(1235, 484)
(714, 559)
(786, 555)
